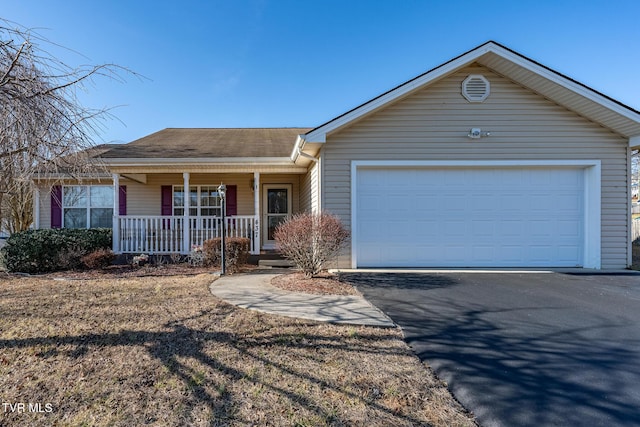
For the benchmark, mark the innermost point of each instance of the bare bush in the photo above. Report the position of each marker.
(311, 240)
(97, 259)
(236, 252)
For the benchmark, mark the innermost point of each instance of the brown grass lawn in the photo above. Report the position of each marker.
(163, 351)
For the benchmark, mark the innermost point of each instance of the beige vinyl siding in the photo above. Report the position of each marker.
(309, 190)
(432, 124)
(146, 199)
(45, 206)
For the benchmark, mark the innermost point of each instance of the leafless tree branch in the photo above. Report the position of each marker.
(44, 129)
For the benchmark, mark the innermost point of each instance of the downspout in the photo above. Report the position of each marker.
(305, 155)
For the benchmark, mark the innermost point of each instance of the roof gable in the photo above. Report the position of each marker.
(550, 84)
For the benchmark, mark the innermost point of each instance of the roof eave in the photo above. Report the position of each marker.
(121, 161)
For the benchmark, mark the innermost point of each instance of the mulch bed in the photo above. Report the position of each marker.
(323, 284)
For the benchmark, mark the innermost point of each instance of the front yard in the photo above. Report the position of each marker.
(161, 350)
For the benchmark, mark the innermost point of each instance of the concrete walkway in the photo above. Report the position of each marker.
(254, 291)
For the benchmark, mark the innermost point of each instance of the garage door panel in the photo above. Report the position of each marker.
(565, 202)
(510, 228)
(570, 229)
(454, 228)
(568, 253)
(470, 217)
(483, 228)
(483, 202)
(510, 255)
(540, 228)
(483, 253)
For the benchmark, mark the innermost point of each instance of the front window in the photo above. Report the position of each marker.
(87, 206)
(204, 200)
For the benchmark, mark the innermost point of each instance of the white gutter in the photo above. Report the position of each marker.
(296, 148)
(297, 151)
(275, 161)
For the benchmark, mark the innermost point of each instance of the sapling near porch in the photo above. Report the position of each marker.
(310, 240)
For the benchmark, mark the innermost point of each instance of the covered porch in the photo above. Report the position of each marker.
(177, 234)
(168, 212)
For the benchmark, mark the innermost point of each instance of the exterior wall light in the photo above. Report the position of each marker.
(476, 133)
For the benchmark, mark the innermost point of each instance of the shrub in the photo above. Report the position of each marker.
(40, 251)
(3, 263)
(100, 258)
(310, 240)
(69, 258)
(236, 252)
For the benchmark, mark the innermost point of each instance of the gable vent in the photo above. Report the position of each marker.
(476, 88)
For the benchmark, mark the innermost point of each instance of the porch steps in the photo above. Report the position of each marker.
(271, 258)
(280, 263)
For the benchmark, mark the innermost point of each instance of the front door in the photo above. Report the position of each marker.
(276, 204)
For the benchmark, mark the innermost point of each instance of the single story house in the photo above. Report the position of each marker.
(488, 160)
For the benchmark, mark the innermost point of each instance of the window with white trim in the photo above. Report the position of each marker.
(87, 206)
(204, 200)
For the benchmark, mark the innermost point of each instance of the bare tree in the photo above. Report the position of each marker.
(45, 131)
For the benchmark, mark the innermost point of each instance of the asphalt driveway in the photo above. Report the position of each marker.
(523, 349)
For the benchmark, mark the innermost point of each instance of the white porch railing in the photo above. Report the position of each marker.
(635, 229)
(165, 234)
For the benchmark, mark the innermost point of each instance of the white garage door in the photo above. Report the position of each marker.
(482, 217)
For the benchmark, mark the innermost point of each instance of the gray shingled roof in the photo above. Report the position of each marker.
(198, 143)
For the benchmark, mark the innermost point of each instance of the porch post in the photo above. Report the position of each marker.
(186, 227)
(36, 207)
(256, 213)
(116, 213)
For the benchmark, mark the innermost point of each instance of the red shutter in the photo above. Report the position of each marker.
(167, 200)
(166, 205)
(232, 200)
(56, 206)
(122, 208)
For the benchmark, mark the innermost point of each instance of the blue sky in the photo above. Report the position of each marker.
(281, 63)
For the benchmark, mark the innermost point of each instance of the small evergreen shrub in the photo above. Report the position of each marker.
(100, 258)
(311, 240)
(41, 251)
(236, 252)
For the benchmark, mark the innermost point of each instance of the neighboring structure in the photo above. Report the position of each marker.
(489, 160)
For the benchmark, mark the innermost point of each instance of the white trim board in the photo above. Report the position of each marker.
(592, 196)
